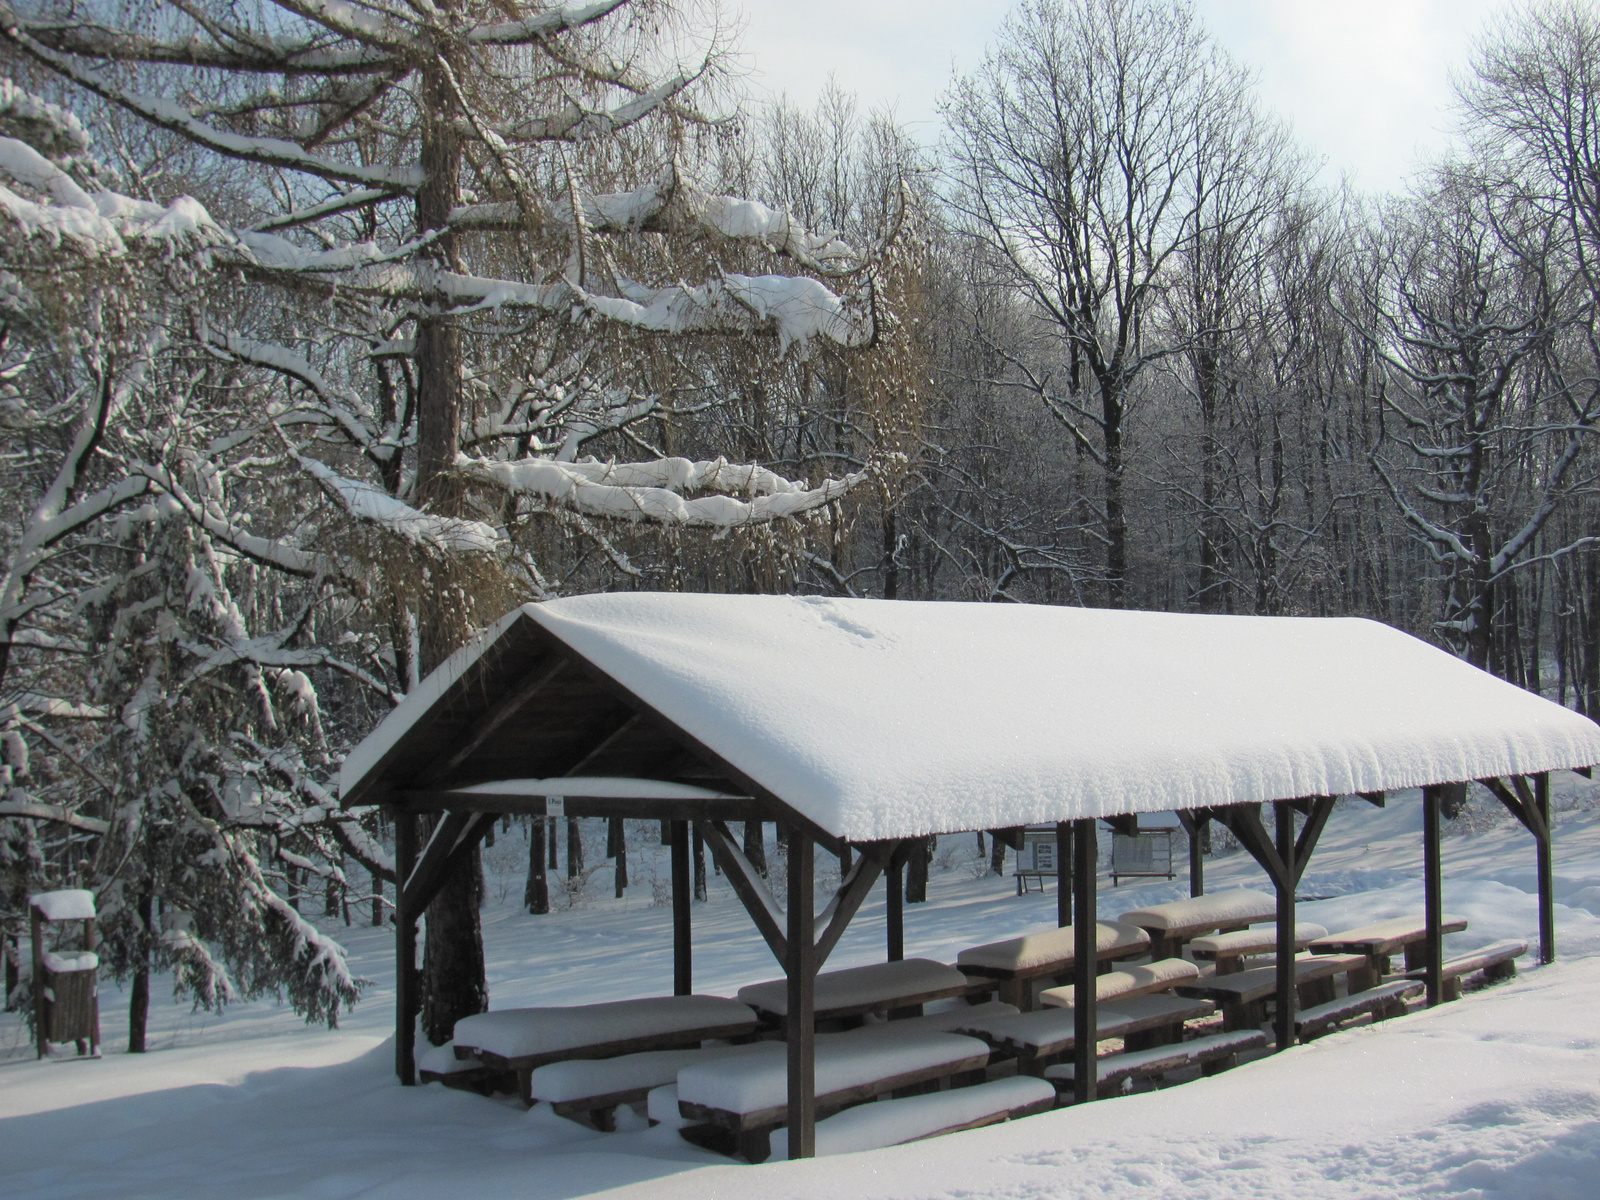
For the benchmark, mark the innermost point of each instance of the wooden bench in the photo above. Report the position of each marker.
(590, 1090)
(736, 1103)
(1016, 963)
(1494, 962)
(914, 1118)
(1141, 979)
(1381, 1002)
(1038, 1038)
(1171, 926)
(517, 1041)
(1383, 939)
(1229, 950)
(1213, 1054)
(1242, 994)
(850, 994)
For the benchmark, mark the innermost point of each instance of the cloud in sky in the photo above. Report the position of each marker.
(1365, 83)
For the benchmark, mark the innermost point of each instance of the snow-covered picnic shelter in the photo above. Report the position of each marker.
(865, 724)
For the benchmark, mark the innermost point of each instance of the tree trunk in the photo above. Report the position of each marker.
(454, 983)
(997, 856)
(139, 996)
(699, 861)
(377, 900)
(536, 895)
(574, 848)
(755, 846)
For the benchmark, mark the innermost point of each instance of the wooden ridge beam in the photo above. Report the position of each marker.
(502, 711)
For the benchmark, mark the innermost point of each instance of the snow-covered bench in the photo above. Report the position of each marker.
(1037, 1038)
(1017, 962)
(1494, 962)
(1242, 993)
(1381, 1002)
(893, 1122)
(591, 1089)
(1229, 950)
(1213, 1054)
(747, 1095)
(1171, 926)
(520, 1040)
(1383, 939)
(1140, 979)
(856, 991)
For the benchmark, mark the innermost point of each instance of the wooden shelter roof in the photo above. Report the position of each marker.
(876, 719)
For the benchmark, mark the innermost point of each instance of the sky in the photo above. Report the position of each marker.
(1364, 83)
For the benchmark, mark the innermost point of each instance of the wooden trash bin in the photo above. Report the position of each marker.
(66, 983)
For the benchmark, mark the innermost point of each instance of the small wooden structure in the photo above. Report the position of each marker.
(864, 726)
(66, 989)
(1143, 854)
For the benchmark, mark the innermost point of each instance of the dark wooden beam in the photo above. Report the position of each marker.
(607, 741)
(1063, 874)
(1546, 861)
(1244, 822)
(854, 888)
(682, 893)
(1085, 966)
(800, 1022)
(1127, 824)
(752, 891)
(1283, 815)
(1376, 799)
(1011, 835)
(894, 915)
(455, 834)
(1194, 822)
(1433, 892)
(407, 998)
(1516, 802)
(1321, 808)
(632, 808)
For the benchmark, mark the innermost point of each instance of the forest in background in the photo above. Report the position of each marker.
(352, 326)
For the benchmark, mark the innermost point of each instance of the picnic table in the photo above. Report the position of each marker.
(1242, 994)
(900, 988)
(1138, 980)
(1171, 926)
(1050, 954)
(746, 1096)
(1038, 1038)
(1378, 942)
(520, 1040)
(1229, 950)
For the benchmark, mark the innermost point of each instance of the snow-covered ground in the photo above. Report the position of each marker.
(1497, 1096)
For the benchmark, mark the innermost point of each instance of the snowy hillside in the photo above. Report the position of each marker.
(1496, 1096)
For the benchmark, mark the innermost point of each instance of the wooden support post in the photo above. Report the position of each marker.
(1547, 896)
(800, 1024)
(894, 900)
(1197, 858)
(1063, 874)
(682, 961)
(1433, 893)
(407, 998)
(1085, 966)
(617, 835)
(1284, 812)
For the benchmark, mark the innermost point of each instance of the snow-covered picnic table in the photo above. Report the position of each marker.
(747, 1094)
(1049, 954)
(1171, 926)
(1242, 993)
(520, 1040)
(1228, 950)
(1037, 1038)
(1381, 940)
(902, 986)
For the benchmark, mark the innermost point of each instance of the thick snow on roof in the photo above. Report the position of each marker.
(74, 904)
(880, 719)
(889, 718)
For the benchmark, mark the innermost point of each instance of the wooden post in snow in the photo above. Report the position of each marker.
(800, 1024)
(1085, 966)
(1284, 812)
(894, 918)
(407, 999)
(1433, 893)
(1547, 895)
(682, 962)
